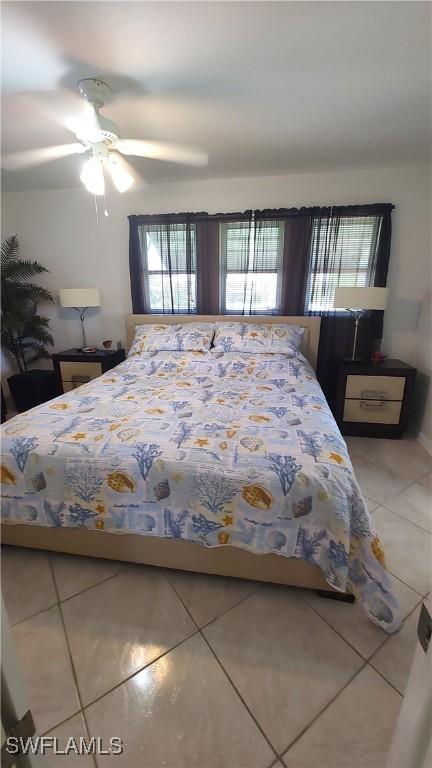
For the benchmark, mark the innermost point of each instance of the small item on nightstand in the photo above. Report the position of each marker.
(377, 356)
(88, 350)
(107, 344)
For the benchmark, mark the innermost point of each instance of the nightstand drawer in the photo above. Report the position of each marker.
(375, 388)
(68, 370)
(78, 381)
(372, 411)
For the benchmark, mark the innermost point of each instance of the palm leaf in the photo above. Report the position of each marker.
(25, 333)
(9, 250)
(27, 292)
(21, 270)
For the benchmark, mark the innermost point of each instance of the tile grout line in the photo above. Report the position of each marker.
(33, 615)
(402, 517)
(306, 728)
(62, 722)
(226, 673)
(74, 674)
(60, 602)
(386, 638)
(389, 637)
(368, 659)
(275, 763)
(410, 481)
(326, 621)
(381, 466)
(399, 493)
(364, 666)
(385, 680)
(249, 711)
(86, 589)
(141, 669)
(215, 618)
(406, 584)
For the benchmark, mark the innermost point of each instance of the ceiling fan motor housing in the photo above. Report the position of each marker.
(94, 91)
(109, 131)
(97, 93)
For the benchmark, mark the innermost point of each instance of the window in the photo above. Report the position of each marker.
(251, 266)
(343, 253)
(169, 267)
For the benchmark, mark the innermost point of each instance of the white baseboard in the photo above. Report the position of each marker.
(425, 441)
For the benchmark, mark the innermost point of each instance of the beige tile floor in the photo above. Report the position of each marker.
(192, 670)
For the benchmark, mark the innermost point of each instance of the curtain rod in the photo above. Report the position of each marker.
(363, 209)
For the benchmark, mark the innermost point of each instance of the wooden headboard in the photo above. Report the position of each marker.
(309, 345)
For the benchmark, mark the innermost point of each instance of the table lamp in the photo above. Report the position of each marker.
(80, 299)
(356, 300)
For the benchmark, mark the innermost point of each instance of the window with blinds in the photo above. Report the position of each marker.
(343, 253)
(169, 267)
(250, 266)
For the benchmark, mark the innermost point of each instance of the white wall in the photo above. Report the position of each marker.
(59, 229)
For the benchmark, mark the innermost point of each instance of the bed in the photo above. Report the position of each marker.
(223, 462)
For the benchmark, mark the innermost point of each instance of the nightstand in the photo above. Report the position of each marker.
(74, 368)
(373, 399)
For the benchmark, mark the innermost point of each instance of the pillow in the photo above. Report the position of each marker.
(172, 338)
(254, 337)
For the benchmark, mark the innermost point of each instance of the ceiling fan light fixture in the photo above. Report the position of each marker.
(92, 176)
(122, 180)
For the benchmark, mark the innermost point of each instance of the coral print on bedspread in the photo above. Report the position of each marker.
(218, 448)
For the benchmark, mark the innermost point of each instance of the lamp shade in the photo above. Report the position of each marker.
(360, 298)
(79, 297)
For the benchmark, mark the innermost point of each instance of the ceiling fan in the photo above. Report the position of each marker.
(101, 136)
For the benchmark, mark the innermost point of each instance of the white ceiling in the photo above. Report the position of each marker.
(264, 87)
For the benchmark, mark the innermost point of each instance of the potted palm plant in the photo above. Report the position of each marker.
(25, 334)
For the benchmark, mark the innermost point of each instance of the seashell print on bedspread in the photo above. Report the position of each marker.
(222, 449)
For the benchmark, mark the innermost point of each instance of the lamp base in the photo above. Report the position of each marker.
(356, 359)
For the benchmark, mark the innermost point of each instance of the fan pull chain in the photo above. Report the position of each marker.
(105, 211)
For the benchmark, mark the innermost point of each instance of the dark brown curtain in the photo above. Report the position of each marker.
(296, 260)
(337, 331)
(181, 243)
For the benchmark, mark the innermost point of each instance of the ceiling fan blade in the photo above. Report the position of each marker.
(138, 181)
(160, 150)
(30, 157)
(66, 109)
(85, 124)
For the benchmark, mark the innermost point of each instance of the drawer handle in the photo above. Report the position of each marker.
(371, 394)
(372, 405)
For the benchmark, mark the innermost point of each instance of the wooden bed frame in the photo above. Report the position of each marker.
(180, 554)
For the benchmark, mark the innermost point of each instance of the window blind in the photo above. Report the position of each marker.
(169, 267)
(251, 266)
(343, 253)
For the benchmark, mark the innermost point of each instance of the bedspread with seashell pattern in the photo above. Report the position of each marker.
(224, 449)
